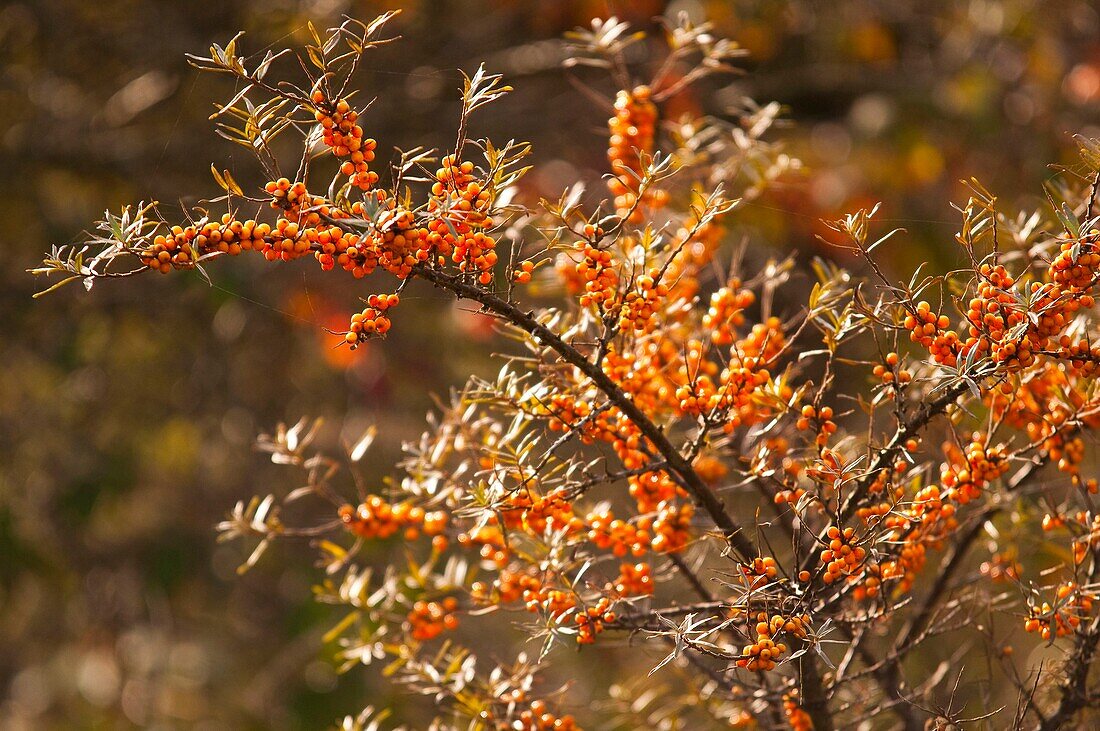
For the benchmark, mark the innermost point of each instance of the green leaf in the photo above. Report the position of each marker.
(218, 178)
(342, 625)
(60, 284)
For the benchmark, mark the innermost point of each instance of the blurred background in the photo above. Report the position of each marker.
(127, 414)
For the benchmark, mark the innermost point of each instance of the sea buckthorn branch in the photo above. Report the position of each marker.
(477, 91)
(526, 320)
(694, 50)
(856, 228)
(329, 66)
(685, 40)
(604, 46)
(649, 287)
(889, 452)
(582, 486)
(501, 698)
(906, 430)
(888, 670)
(692, 577)
(1073, 686)
(1073, 690)
(953, 560)
(885, 674)
(653, 377)
(93, 260)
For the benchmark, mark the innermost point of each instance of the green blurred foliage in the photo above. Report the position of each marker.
(127, 414)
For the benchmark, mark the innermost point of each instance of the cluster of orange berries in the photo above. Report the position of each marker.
(537, 717)
(889, 373)
(473, 252)
(595, 269)
(541, 513)
(695, 378)
(671, 526)
(308, 224)
(462, 208)
(930, 330)
(1077, 264)
(797, 717)
(759, 572)
(1072, 604)
(293, 198)
(591, 621)
(376, 518)
(763, 654)
(632, 132)
(642, 372)
(746, 375)
(869, 585)
(557, 603)
(994, 317)
(826, 427)
(653, 488)
(1013, 329)
(967, 474)
(182, 246)
(684, 377)
(842, 557)
(466, 201)
(288, 242)
(509, 586)
(921, 524)
(663, 530)
(663, 518)
(428, 620)
(566, 414)
(734, 392)
(663, 521)
(523, 274)
(765, 341)
(457, 213)
(328, 243)
(634, 580)
(331, 245)
(1068, 452)
(490, 541)
(727, 312)
(640, 304)
(1045, 403)
(397, 244)
(344, 137)
(372, 320)
(929, 516)
(300, 228)
(709, 468)
(1082, 356)
(621, 536)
